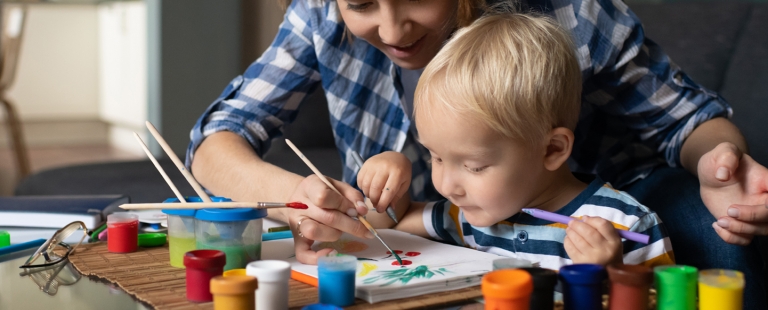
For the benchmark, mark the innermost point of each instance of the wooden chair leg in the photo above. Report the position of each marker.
(16, 138)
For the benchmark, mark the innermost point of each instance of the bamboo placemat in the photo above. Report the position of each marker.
(148, 276)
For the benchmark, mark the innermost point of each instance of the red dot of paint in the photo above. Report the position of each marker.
(405, 263)
(412, 254)
(396, 251)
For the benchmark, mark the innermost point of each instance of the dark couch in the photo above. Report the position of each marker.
(723, 46)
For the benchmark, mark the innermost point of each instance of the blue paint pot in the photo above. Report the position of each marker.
(336, 279)
(582, 286)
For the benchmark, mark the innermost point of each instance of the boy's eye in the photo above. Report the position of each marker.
(358, 7)
(475, 170)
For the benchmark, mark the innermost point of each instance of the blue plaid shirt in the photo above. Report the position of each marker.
(637, 106)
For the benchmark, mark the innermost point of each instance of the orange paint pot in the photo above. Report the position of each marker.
(234, 292)
(508, 289)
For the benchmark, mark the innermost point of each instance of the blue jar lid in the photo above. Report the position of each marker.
(190, 212)
(230, 215)
(583, 274)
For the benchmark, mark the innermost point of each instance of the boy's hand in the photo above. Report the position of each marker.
(593, 240)
(384, 178)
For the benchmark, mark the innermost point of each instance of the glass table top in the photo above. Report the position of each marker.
(57, 287)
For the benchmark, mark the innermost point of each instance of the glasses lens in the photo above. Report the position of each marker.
(64, 233)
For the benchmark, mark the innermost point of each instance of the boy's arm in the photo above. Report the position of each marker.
(412, 222)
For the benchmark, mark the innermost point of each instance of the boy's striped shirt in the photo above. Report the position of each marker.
(526, 237)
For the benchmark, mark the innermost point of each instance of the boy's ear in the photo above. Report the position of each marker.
(559, 146)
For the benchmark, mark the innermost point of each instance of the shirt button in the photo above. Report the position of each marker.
(522, 236)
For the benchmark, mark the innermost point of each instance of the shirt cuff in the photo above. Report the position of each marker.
(429, 224)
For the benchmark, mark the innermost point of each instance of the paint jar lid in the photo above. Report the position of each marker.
(269, 271)
(722, 278)
(230, 215)
(122, 217)
(337, 262)
(582, 274)
(632, 275)
(205, 259)
(5, 238)
(151, 239)
(507, 284)
(676, 275)
(233, 285)
(190, 212)
(320, 307)
(510, 263)
(235, 272)
(543, 279)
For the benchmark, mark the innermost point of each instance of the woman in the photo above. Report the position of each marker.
(642, 119)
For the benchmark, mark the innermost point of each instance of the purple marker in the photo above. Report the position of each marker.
(562, 219)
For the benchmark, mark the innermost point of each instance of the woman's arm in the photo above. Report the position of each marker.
(226, 165)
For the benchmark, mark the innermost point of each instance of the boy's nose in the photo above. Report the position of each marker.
(451, 186)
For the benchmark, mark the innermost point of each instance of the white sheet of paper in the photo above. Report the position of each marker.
(435, 267)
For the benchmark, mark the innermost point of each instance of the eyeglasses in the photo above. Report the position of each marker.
(49, 278)
(54, 250)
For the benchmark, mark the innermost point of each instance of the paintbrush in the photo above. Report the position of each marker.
(328, 183)
(220, 205)
(359, 162)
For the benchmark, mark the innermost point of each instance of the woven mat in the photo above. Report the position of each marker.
(148, 276)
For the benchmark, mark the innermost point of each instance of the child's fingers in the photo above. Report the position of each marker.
(378, 182)
(573, 251)
(579, 241)
(392, 190)
(605, 228)
(591, 237)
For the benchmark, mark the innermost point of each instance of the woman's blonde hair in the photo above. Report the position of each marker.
(517, 73)
(466, 13)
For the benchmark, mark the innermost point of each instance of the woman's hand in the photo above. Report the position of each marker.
(328, 215)
(385, 178)
(593, 240)
(734, 187)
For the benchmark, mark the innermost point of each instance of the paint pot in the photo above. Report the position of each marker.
(5, 238)
(148, 240)
(181, 232)
(320, 307)
(510, 263)
(202, 266)
(721, 289)
(582, 286)
(675, 287)
(507, 289)
(123, 232)
(273, 278)
(629, 287)
(233, 292)
(235, 272)
(544, 281)
(336, 279)
(236, 232)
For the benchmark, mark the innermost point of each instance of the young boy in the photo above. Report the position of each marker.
(496, 108)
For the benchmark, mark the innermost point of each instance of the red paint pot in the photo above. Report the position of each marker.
(202, 266)
(123, 232)
(629, 287)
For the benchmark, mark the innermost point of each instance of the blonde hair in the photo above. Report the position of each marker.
(467, 10)
(517, 73)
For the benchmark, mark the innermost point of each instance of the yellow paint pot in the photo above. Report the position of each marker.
(721, 289)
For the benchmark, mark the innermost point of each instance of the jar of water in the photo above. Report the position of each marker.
(236, 232)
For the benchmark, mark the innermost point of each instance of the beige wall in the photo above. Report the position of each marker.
(261, 19)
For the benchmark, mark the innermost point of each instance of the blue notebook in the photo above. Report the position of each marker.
(57, 211)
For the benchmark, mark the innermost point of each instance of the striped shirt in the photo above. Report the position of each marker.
(637, 106)
(536, 240)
